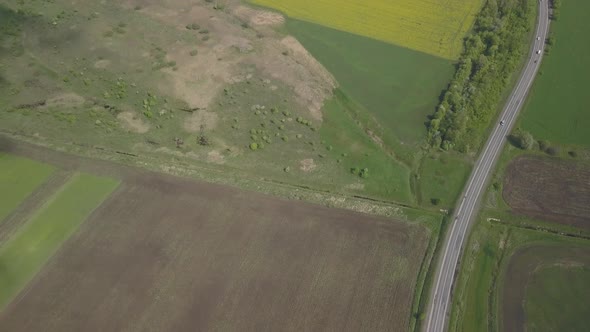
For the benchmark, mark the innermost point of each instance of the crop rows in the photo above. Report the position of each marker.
(433, 27)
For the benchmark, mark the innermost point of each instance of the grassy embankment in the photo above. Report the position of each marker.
(26, 251)
(18, 178)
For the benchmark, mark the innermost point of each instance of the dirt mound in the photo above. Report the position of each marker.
(65, 100)
(258, 17)
(230, 48)
(130, 121)
(307, 165)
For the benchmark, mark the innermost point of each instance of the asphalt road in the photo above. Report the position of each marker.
(440, 297)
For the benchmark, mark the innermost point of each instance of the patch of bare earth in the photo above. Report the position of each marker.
(258, 17)
(231, 48)
(549, 189)
(65, 100)
(131, 121)
(215, 157)
(201, 119)
(102, 64)
(307, 165)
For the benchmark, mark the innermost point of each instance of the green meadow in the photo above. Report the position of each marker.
(18, 178)
(557, 109)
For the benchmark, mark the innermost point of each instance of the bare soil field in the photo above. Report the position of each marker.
(549, 189)
(523, 264)
(168, 254)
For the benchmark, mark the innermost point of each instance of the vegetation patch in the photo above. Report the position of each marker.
(23, 255)
(433, 27)
(18, 178)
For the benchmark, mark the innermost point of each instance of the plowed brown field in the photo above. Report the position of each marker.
(169, 254)
(549, 189)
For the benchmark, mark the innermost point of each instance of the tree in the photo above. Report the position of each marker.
(435, 201)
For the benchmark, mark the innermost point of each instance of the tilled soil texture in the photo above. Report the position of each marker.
(168, 254)
(521, 268)
(549, 189)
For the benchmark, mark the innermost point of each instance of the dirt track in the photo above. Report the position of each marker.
(520, 270)
(169, 254)
(549, 189)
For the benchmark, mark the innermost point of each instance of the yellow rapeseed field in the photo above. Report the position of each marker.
(432, 26)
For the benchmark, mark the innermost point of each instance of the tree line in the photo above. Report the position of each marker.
(492, 53)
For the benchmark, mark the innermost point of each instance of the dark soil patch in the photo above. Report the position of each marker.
(549, 189)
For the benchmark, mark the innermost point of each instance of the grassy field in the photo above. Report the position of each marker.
(557, 109)
(556, 299)
(442, 178)
(433, 27)
(167, 254)
(18, 178)
(23, 255)
(397, 86)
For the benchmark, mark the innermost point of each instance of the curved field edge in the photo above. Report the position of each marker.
(558, 307)
(25, 252)
(18, 178)
(435, 27)
(477, 300)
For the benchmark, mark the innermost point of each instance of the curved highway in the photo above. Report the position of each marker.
(440, 297)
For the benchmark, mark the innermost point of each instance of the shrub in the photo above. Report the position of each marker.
(253, 146)
(193, 52)
(552, 151)
(522, 139)
(364, 173)
(435, 201)
(355, 170)
(543, 145)
(572, 154)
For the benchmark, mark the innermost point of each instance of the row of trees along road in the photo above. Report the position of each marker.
(492, 53)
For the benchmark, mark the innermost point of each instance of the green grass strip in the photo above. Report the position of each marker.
(18, 178)
(26, 252)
